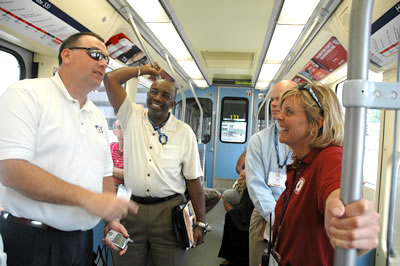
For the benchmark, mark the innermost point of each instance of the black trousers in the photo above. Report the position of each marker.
(25, 245)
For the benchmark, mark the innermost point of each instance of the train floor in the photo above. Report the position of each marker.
(203, 255)
(207, 253)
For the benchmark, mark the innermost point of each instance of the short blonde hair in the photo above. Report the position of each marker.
(332, 130)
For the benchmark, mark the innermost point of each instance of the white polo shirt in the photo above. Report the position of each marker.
(42, 124)
(152, 169)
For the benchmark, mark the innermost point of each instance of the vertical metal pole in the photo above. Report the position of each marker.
(200, 132)
(393, 184)
(353, 149)
(183, 105)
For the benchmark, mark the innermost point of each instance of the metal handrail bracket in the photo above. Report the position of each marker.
(371, 95)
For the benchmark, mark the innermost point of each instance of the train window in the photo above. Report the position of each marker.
(234, 120)
(192, 116)
(370, 171)
(10, 70)
(261, 122)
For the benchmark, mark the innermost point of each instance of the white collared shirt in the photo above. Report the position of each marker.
(153, 169)
(42, 124)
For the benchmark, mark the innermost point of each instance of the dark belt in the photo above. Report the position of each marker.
(36, 224)
(151, 200)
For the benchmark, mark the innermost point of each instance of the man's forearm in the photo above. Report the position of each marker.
(197, 196)
(37, 184)
(108, 184)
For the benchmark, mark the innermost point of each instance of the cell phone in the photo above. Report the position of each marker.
(124, 192)
(118, 239)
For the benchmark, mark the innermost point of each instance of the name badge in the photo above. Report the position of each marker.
(276, 179)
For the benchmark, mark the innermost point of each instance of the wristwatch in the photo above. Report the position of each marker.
(202, 225)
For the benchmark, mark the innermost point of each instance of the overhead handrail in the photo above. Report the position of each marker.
(139, 37)
(200, 131)
(173, 73)
(183, 109)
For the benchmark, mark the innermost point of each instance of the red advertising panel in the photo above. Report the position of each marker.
(298, 80)
(314, 71)
(122, 48)
(331, 56)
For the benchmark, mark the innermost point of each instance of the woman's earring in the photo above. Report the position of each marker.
(312, 133)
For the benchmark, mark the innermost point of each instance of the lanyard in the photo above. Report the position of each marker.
(284, 206)
(162, 138)
(277, 152)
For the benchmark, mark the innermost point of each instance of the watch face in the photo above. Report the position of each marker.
(203, 225)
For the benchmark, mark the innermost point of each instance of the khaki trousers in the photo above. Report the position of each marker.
(256, 238)
(152, 232)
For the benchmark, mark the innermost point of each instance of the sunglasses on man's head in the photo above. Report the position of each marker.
(94, 53)
(305, 86)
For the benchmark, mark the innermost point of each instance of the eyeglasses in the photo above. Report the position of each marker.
(94, 53)
(305, 86)
(164, 95)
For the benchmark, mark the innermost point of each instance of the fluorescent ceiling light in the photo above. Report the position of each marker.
(282, 41)
(200, 83)
(159, 23)
(262, 85)
(171, 40)
(297, 12)
(191, 69)
(268, 71)
(149, 10)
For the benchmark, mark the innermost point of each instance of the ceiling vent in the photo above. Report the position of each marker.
(228, 59)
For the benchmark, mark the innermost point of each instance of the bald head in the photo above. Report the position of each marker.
(276, 91)
(282, 86)
(165, 84)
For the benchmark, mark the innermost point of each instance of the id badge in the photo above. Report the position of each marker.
(276, 179)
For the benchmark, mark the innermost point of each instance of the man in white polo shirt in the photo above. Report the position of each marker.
(161, 161)
(55, 161)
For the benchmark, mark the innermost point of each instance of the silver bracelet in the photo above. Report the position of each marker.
(138, 72)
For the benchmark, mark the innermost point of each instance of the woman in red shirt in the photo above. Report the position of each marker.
(311, 122)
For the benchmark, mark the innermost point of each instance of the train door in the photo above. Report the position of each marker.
(207, 99)
(233, 130)
(260, 117)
